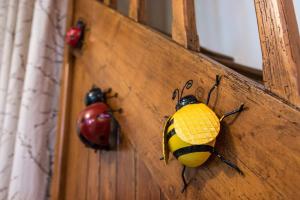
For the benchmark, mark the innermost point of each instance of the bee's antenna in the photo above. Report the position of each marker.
(176, 93)
(187, 86)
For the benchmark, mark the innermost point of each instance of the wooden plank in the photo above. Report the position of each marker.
(228, 61)
(111, 3)
(280, 45)
(63, 115)
(77, 160)
(126, 171)
(253, 73)
(61, 138)
(137, 10)
(147, 189)
(108, 175)
(93, 176)
(263, 141)
(184, 29)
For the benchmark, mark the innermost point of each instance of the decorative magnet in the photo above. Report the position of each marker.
(96, 126)
(75, 35)
(190, 133)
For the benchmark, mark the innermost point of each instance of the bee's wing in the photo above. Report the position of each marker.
(166, 150)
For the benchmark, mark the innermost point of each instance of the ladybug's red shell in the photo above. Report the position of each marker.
(94, 125)
(73, 36)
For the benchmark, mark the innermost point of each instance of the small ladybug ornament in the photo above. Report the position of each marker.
(191, 132)
(96, 126)
(75, 35)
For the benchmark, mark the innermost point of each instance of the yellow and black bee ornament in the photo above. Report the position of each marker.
(190, 133)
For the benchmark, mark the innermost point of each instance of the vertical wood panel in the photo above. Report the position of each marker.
(111, 3)
(64, 109)
(126, 171)
(279, 36)
(184, 29)
(93, 182)
(137, 10)
(77, 160)
(147, 189)
(108, 175)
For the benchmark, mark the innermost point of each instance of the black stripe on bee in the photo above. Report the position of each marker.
(193, 149)
(170, 122)
(170, 134)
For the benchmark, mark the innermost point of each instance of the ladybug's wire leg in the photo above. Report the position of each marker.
(229, 163)
(120, 110)
(240, 109)
(185, 184)
(113, 96)
(108, 91)
(218, 79)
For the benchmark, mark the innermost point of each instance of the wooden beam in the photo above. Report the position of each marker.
(137, 10)
(279, 36)
(263, 140)
(64, 108)
(111, 3)
(184, 29)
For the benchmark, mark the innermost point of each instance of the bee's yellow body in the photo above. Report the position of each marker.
(192, 125)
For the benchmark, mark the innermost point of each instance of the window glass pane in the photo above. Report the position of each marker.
(123, 7)
(297, 10)
(159, 15)
(230, 27)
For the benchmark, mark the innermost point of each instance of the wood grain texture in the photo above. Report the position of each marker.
(126, 174)
(108, 175)
(89, 175)
(280, 45)
(184, 29)
(111, 3)
(146, 189)
(63, 117)
(137, 10)
(263, 141)
(93, 176)
(76, 162)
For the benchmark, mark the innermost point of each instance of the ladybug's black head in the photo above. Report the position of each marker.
(183, 101)
(95, 95)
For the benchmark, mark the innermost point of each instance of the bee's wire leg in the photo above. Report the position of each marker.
(240, 109)
(229, 163)
(218, 79)
(185, 184)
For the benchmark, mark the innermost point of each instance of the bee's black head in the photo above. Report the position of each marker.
(95, 95)
(183, 101)
(190, 99)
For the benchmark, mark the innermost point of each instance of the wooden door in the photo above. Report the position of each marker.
(88, 174)
(144, 67)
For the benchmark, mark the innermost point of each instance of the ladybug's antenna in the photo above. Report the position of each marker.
(187, 86)
(176, 93)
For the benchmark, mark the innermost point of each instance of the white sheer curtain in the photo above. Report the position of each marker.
(31, 55)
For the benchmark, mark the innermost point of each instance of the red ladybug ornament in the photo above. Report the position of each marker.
(74, 36)
(96, 126)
